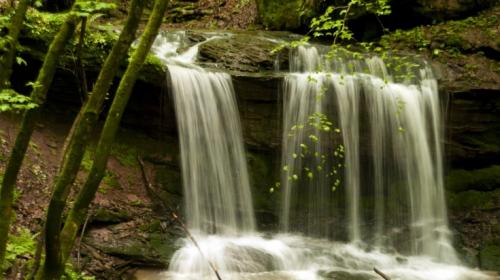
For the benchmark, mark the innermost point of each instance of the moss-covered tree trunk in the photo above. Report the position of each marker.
(38, 96)
(77, 214)
(78, 139)
(7, 60)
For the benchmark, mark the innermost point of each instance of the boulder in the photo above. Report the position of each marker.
(243, 53)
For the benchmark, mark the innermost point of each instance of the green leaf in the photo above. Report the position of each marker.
(21, 61)
(10, 100)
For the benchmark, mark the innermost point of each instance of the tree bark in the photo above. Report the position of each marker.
(38, 95)
(78, 140)
(80, 69)
(78, 213)
(15, 27)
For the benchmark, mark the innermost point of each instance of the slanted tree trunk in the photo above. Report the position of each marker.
(77, 214)
(7, 60)
(38, 95)
(78, 140)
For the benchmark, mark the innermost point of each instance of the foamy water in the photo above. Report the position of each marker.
(301, 258)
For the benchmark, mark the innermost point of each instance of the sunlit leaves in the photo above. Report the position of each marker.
(11, 101)
(87, 8)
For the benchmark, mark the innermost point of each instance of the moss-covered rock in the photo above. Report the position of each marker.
(450, 9)
(150, 244)
(109, 216)
(489, 256)
(41, 27)
(486, 179)
(285, 14)
(464, 52)
(472, 199)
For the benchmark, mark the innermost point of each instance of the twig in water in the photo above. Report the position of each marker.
(196, 244)
(149, 188)
(381, 274)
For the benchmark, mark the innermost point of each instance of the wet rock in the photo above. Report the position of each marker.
(473, 129)
(344, 275)
(244, 53)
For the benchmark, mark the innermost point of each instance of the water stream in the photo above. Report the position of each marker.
(400, 172)
(400, 229)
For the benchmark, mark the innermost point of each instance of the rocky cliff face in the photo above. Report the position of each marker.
(464, 53)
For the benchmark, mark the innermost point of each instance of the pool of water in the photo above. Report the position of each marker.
(291, 257)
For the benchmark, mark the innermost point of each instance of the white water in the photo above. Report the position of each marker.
(218, 201)
(292, 257)
(404, 178)
(215, 177)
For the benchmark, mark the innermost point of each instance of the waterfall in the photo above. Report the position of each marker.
(323, 145)
(214, 171)
(392, 179)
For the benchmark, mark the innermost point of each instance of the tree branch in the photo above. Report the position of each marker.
(149, 188)
(381, 274)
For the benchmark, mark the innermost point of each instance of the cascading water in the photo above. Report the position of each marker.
(217, 194)
(215, 176)
(404, 178)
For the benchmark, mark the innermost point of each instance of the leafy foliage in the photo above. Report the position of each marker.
(71, 274)
(327, 164)
(11, 100)
(87, 8)
(334, 21)
(22, 244)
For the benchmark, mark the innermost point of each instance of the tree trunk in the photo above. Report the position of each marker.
(78, 213)
(38, 95)
(14, 30)
(78, 140)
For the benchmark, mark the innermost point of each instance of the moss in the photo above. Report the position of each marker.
(284, 14)
(451, 36)
(169, 179)
(489, 256)
(103, 215)
(486, 179)
(41, 27)
(110, 181)
(125, 154)
(153, 70)
(164, 245)
(472, 199)
(87, 160)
